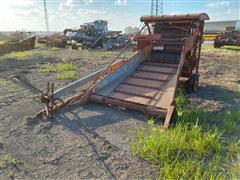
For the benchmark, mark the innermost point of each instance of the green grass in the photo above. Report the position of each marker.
(47, 68)
(233, 48)
(237, 95)
(191, 148)
(19, 54)
(231, 121)
(64, 70)
(66, 75)
(187, 151)
(65, 66)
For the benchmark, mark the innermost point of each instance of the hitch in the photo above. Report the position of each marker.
(46, 98)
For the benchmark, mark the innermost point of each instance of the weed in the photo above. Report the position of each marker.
(53, 49)
(13, 161)
(184, 152)
(233, 48)
(10, 173)
(237, 95)
(47, 68)
(185, 112)
(234, 146)
(64, 70)
(66, 75)
(190, 149)
(65, 66)
(231, 121)
(1, 165)
(19, 54)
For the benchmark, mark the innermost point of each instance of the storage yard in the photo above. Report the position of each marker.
(94, 141)
(155, 101)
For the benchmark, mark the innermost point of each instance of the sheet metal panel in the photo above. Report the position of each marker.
(145, 82)
(157, 69)
(130, 98)
(157, 76)
(149, 92)
(151, 63)
(109, 83)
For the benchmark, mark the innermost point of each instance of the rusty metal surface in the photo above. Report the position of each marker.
(148, 83)
(199, 17)
(22, 45)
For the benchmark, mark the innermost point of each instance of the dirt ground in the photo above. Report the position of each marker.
(93, 141)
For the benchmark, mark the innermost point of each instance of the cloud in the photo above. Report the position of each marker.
(229, 14)
(217, 4)
(120, 2)
(92, 13)
(88, 1)
(66, 5)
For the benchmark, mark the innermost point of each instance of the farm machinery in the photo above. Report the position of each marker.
(166, 57)
(227, 38)
(94, 34)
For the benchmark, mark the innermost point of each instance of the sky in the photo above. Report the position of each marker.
(28, 15)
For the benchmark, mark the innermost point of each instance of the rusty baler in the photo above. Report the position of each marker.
(166, 55)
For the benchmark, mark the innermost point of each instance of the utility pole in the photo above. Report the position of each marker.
(46, 16)
(157, 7)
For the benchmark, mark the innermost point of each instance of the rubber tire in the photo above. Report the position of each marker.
(192, 83)
(74, 47)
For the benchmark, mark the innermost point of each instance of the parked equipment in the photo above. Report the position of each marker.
(54, 40)
(228, 38)
(94, 34)
(147, 81)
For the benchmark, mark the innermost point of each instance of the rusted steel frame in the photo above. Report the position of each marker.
(199, 45)
(186, 47)
(199, 17)
(168, 116)
(77, 84)
(84, 93)
(129, 105)
(59, 106)
(149, 30)
(83, 96)
(121, 52)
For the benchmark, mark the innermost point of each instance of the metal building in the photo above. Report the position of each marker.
(220, 26)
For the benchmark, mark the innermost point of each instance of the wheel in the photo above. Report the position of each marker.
(192, 83)
(74, 47)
